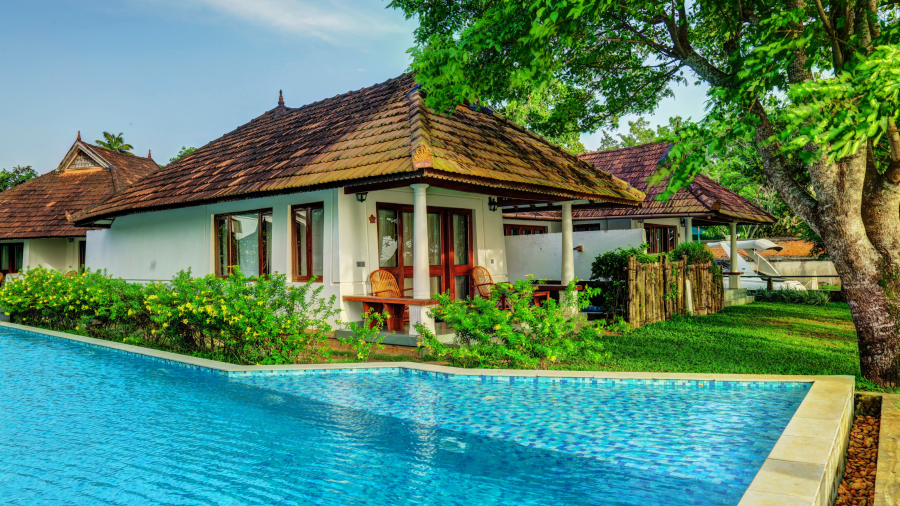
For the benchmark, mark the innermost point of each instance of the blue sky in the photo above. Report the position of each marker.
(172, 73)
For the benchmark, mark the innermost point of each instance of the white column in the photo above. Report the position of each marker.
(688, 229)
(734, 281)
(421, 281)
(568, 255)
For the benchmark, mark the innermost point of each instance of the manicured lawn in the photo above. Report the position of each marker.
(760, 338)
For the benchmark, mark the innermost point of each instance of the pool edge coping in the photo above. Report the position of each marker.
(803, 468)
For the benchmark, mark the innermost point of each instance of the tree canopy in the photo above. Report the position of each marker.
(16, 176)
(114, 143)
(182, 153)
(812, 86)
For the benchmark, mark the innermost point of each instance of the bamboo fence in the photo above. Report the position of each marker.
(656, 290)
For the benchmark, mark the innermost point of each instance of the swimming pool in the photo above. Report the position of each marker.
(84, 425)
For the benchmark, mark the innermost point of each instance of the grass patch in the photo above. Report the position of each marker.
(759, 338)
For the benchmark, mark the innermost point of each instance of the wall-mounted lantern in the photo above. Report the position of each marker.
(361, 197)
(492, 204)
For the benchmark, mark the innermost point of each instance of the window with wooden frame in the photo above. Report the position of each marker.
(660, 238)
(244, 240)
(510, 229)
(308, 238)
(11, 255)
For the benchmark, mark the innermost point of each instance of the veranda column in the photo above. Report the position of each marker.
(734, 281)
(568, 254)
(421, 281)
(688, 229)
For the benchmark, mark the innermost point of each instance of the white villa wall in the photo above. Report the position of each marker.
(151, 246)
(59, 254)
(541, 254)
(155, 246)
(552, 226)
(72, 260)
(49, 253)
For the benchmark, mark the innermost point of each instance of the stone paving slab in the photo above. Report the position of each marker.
(887, 477)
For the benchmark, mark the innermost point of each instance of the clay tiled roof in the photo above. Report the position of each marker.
(37, 209)
(375, 135)
(702, 198)
(793, 249)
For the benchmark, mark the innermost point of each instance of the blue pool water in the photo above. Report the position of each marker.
(82, 425)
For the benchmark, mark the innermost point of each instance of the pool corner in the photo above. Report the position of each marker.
(806, 464)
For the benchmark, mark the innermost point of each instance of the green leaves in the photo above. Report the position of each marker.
(114, 143)
(508, 330)
(838, 116)
(16, 176)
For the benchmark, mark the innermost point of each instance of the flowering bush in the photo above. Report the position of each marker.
(365, 337)
(237, 319)
(508, 330)
(46, 297)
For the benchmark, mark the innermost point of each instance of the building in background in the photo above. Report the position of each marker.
(601, 227)
(34, 230)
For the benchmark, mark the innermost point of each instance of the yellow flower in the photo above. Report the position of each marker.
(497, 327)
(184, 321)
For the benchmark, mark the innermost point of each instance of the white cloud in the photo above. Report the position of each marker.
(328, 20)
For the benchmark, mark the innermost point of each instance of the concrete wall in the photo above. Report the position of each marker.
(552, 226)
(541, 255)
(790, 268)
(155, 246)
(610, 225)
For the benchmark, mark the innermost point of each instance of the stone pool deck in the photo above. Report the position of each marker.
(887, 476)
(803, 469)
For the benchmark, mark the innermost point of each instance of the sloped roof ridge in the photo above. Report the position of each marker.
(624, 185)
(733, 193)
(305, 108)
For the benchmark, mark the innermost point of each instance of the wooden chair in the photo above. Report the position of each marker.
(384, 284)
(483, 281)
(484, 284)
(71, 274)
(1, 278)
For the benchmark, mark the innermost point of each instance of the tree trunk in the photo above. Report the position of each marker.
(874, 312)
(855, 212)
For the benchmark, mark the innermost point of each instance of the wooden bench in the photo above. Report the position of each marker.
(393, 306)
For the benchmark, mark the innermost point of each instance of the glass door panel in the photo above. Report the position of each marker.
(317, 217)
(460, 242)
(388, 238)
(460, 239)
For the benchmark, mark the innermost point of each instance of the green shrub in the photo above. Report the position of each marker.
(612, 268)
(365, 338)
(809, 297)
(525, 336)
(692, 253)
(236, 319)
(45, 297)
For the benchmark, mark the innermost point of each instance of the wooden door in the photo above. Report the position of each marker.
(82, 251)
(459, 251)
(396, 240)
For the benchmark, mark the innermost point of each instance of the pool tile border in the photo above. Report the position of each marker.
(804, 467)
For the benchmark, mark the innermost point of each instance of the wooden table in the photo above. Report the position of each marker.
(555, 288)
(393, 306)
